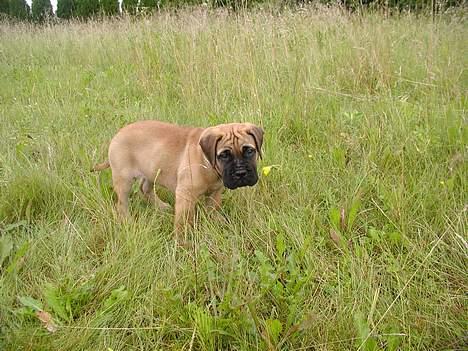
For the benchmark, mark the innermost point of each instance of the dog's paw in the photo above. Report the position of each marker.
(219, 217)
(165, 207)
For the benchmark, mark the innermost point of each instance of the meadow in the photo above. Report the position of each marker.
(355, 239)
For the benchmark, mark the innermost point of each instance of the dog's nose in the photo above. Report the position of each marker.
(240, 173)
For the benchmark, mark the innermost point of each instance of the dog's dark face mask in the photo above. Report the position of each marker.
(233, 151)
(239, 168)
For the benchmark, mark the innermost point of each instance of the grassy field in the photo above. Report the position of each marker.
(356, 239)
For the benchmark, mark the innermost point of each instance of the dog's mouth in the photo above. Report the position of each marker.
(240, 178)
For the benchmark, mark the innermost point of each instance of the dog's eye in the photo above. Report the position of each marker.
(249, 151)
(225, 155)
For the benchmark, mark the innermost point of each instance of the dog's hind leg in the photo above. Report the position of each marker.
(122, 186)
(147, 189)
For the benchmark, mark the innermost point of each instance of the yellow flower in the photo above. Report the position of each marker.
(267, 169)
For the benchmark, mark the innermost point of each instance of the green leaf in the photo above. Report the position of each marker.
(12, 226)
(375, 234)
(369, 343)
(56, 302)
(262, 259)
(265, 270)
(274, 328)
(280, 244)
(393, 342)
(450, 183)
(278, 290)
(355, 206)
(117, 296)
(6, 245)
(334, 215)
(339, 155)
(395, 237)
(25, 312)
(19, 254)
(28, 301)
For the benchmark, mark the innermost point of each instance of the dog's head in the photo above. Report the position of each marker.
(233, 150)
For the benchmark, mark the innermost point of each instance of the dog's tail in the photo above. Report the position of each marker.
(100, 166)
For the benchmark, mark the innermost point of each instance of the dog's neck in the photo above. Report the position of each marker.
(208, 165)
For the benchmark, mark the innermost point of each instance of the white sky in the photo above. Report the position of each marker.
(53, 2)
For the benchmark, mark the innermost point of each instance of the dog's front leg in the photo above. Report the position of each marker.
(213, 200)
(213, 204)
(184, 209)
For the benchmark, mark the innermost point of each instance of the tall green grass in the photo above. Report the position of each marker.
(355, 240)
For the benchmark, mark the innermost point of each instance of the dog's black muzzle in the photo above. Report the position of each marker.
(239, 174)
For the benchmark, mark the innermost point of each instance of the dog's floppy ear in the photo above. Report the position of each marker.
(208, 142)
(257, 134)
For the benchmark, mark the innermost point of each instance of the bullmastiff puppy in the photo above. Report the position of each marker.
(190, 162)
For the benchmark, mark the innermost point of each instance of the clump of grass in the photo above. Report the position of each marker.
(355, 239)
(33, 194)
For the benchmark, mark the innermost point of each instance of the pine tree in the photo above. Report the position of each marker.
(41, 10)
(87, 8)
(66, 8)
(110, 7)
(130, 6)
(19, 9)
(4, 7)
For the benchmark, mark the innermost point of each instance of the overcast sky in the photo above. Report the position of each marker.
(53, 2)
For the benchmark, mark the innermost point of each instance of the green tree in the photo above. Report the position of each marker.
(110, 7)
(41, 10)
(19, 9)
(130, 6)
(87, 8)
(4, 7)
(66, 8)
(148, 5)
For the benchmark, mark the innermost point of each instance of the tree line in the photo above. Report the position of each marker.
(41, 10)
